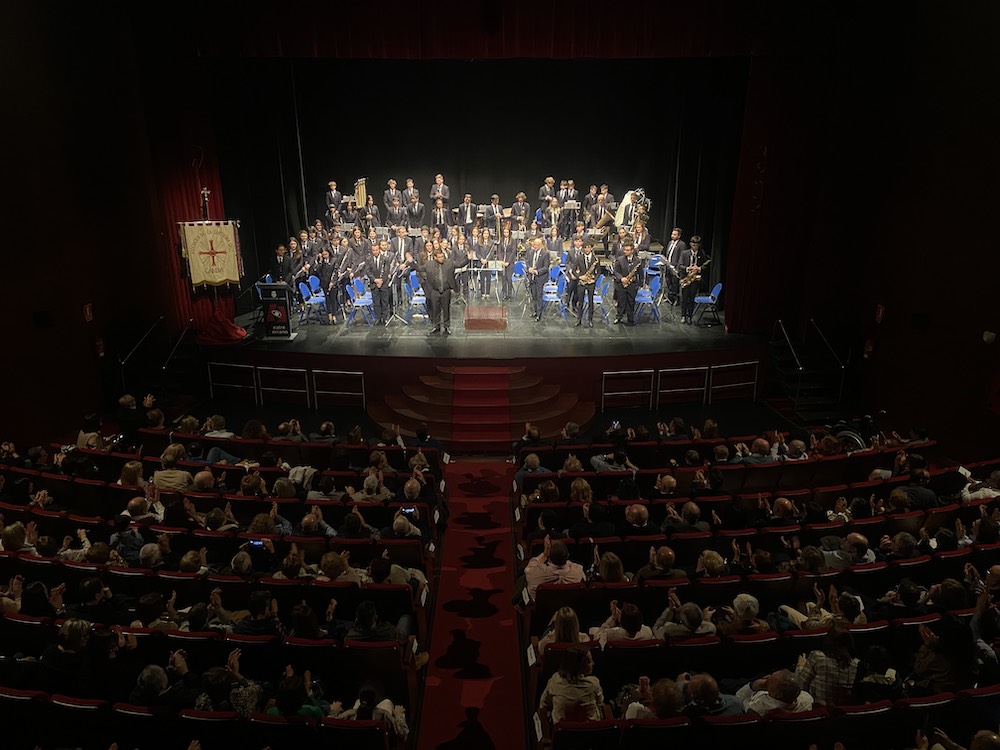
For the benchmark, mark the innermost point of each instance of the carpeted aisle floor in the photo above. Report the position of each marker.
(472, 694)
(481, 409)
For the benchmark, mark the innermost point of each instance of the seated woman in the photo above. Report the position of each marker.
(369, 707)
(564, 627)
(662, 700)
(573, 692)
(828, 673)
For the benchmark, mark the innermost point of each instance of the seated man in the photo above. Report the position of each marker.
(532, 465)
(759, 452)
(552, 566)
(681, 620)
(661, 565)
(778, 691)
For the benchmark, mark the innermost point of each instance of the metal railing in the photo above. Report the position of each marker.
(779, 324)
(833, 353)
(623, 375)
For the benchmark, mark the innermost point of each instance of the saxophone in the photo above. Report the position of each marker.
(588, 277)
(694, 276)
(627, 280)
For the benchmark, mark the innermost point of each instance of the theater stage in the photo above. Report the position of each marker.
(520, 336)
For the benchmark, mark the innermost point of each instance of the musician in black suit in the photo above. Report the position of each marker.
(537, 267)
(396, 216)
(494, 214)
(609, 198)
(572, 283)
(281, 266)
(350, 213)
(441, 218)
(379, 272)
(584, 265)
(438, 281)
(390, 193)
(466, 218)
(415, 212)
(328, 283)
(626, 269)
(401, 251)
(333, 196)
(520, 211)
(409, 191)
(440, 190)
(691, 261)
(672, 255)
(370, 216)
(507, 254)
(484, 249)
(589, 200)
(547, 191)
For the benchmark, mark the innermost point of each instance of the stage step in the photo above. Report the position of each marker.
(509, 371)
(436, 381)
(520, 397)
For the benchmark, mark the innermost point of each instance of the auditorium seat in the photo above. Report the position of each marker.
(743, 655)
(586, 735)
(549, 598)
(908, 522)
(69, 718)
(796, 730)
(142, 726)
(676, 731)
(742, 731)
(697, 654)
(624, 661)
(280, 732)
(210, 728)
(861, 726)
(204, 649)
(261, 656)
(355, 734)
(23, 634)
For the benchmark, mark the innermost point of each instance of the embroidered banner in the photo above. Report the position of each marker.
(212, 250)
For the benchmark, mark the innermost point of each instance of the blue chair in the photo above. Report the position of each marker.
(653, 268)
(645, 299)
(554, 272)
(268, 279)
(709, 303)
(314, 284)
(361, 299)
(312, 302)
(600, 291)
(416, 301)
(520, 275)
(551, 296)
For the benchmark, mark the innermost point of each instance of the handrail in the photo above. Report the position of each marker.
(177, 344)
(788, 341)
(816, 326)
(136, 347)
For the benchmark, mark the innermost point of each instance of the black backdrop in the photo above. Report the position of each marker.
(287, 127)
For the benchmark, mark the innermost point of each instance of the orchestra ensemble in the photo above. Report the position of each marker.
(406, 244)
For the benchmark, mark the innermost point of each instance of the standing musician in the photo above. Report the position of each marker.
(586, 270)
(626, 272)
(390, 194)
(572, 275)
(609, 198)
(631, 214)
(485, 250)
(547, 191)
(520, 210)
(692, 260)
(371, 217)
(554, 245)
(328, 283)
(494, 214)
(438, 282)
(463, 248)
(507, 254)
(440, 190)
(537, 267)
(534, 230)
(414, 212)
(281, 266)
(569, 216)
(441, 217)
(466, 215)
(409, 192)
(552, 217)
(618, 243)
(401, 252)
(589, 201)
(672, 254)
(641, 237)
(379, 271)
(333, 197)
(397, 214)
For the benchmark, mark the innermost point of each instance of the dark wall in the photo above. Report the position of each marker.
(77, 220)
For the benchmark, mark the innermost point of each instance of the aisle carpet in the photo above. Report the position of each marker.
(480, 409)
(472, 694)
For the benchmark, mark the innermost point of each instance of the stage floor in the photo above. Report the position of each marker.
(523, 338)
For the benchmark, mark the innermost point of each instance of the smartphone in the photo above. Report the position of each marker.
(616, 425)
(409, 511)
(258, 543)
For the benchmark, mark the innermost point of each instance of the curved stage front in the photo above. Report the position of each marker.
(556, 371)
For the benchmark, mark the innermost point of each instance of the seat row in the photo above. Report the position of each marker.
(884, 725)
(66, 721)
(737, 479)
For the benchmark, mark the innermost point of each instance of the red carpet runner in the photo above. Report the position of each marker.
(472, 696)
(480, 410)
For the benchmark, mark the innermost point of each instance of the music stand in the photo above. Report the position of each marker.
(382, 232)
(346, 229)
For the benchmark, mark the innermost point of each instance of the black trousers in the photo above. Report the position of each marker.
(687, 300)
(625, 299)
(440, 303)
(585, 294)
